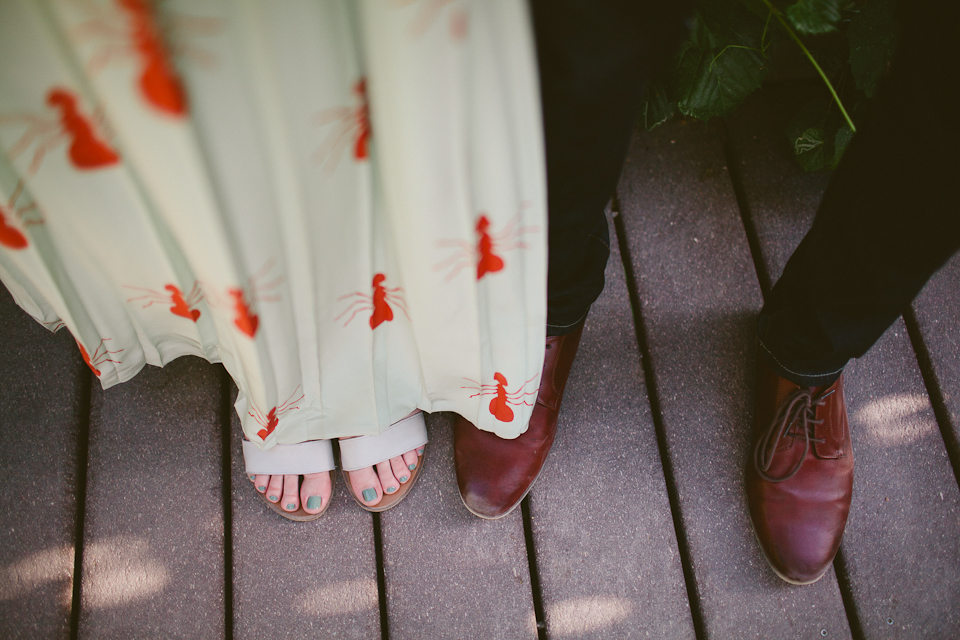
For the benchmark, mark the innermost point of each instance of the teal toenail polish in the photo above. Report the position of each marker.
(412, 467)
(314, 502)
(252, 478)
(419, 452)
(403, 479)
(291, 506)
(369, 495)
(262, 489)
(391, 489)
(273, 498)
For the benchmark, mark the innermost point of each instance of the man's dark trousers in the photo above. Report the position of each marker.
(890, 216)
(594, 57)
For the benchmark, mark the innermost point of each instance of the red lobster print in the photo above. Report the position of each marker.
(352, 123)
(159, 81)
(242, 301)
(484, 251)
(429, 11)
(101, 355)
(134, 32)
(86, 151)
(378, 302)
(245, 320)
(10, 236)
(56, 325)
(270, 421)
(500, 404)
(181, 306)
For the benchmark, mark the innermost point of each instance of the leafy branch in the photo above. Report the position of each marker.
(725, 59)
(813, 61)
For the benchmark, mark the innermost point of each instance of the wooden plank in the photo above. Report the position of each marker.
(42, 379)
(153, 534)
(606, 546)
(448, 573)
(301, 579)
(699, 298)
(937, 311)
(901, 548)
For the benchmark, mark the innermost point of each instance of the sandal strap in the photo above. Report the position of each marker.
(406, 435)
(313, 456)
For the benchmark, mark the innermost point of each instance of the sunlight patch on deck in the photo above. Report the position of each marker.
(35, 570)
(120, 570)
(350, 596)
(895, 419)
(585, 615)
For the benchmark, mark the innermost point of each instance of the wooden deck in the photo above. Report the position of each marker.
(127, 513)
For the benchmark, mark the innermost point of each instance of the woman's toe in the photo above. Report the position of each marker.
(290, 501)
(366, 485)
(275, 488)
(261, 482)
(399, 468)
(387, 479)
(411, 460)
(315, 491)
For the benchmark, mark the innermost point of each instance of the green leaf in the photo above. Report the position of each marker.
(657, 107)
(715, 84)
(816, 135)
(809, 149)
(873, 38)
(721, 63)
(814, 16)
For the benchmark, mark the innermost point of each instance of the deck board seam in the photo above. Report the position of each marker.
(536, 592)
(746, 217)
(656, 413)
(931, 382)
(226, 465)
(846, 595)
(381, 576)
(82, 464)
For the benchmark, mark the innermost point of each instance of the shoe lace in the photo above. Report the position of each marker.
(798, 409)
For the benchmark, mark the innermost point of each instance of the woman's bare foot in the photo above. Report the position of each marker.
(313, 494)
(371, 483)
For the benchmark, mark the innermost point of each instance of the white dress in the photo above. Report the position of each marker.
(342, 201)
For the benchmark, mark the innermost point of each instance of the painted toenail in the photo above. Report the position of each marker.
(369, 495)
(391, 489)
(412, 467)
(420, 452)
(291, 505)
(252, 478)
(314, 502)
(262, 489)
(273, 498)
(403, 478)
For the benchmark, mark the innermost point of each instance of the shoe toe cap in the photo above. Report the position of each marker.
(800, 550)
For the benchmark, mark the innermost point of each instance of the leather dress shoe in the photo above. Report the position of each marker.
(800, 477)
(494, 474)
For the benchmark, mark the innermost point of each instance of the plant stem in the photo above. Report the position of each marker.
(810, 57)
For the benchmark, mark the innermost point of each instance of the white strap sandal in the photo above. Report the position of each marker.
(314, 456)
(367, 451)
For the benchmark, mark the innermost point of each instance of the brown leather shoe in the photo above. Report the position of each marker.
(494, 474)
(800, 476)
